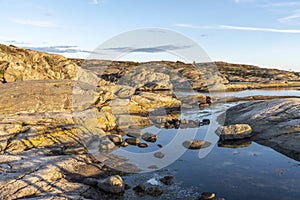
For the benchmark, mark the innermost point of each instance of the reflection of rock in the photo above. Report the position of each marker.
(133, 141)
(274, 123)
(113, 184)
(196, 144)
(143, 145)
(234, 143)
(167, 180)
(149, 137)
(234, 132)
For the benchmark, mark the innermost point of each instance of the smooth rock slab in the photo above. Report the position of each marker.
(112, 184)
(234, 132)
(196, 144)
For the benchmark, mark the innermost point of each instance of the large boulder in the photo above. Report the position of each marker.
(274, 123)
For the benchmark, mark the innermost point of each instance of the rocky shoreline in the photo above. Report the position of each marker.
(44, 148)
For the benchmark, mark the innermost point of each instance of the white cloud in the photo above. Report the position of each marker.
(39, 23)
(243, 1)
(291, 19)
(96, 2)
(282, 4)
(240, 28)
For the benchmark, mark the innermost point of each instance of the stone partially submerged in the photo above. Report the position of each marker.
(196, 144)
(234, 132)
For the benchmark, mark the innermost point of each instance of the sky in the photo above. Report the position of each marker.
(259, 32)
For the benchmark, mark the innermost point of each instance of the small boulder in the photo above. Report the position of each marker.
(133, 140)
(124, 144)
(149, 137)
(206, 121)
(154, 191)
(207, 196)
(196, 144)
(167, 180)
(159, 155)
(117, 139)
(234, 132)
(112, 184)
(140, 189)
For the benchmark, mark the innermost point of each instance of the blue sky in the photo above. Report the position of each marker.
(259, 32)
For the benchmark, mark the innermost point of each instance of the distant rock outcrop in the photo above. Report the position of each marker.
(17, 64)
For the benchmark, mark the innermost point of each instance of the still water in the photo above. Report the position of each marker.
(252, 172)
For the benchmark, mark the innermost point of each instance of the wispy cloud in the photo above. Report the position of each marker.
(14, 42)
(154, 49)
(291, 19)
(282, 4)
(240, 28)
(95, 2)
(243, 1)
(39, 23)
(59, 49)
